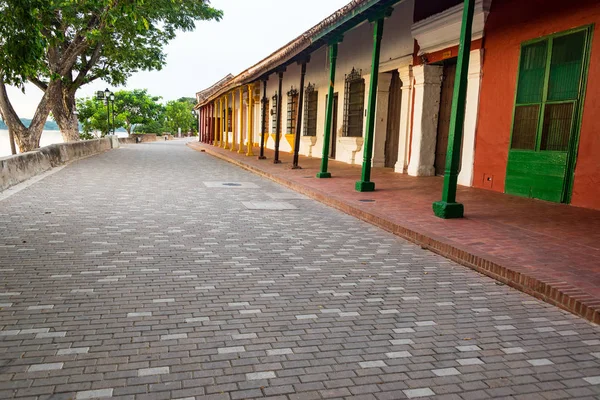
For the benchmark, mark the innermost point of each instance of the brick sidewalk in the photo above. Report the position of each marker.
(548, 250)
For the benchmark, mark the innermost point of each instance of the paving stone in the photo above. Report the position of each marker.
(234, 349)
(279, 352)
(372, 364)
(73, 350)
(153, 371)
(592, 380)
(45, 367)
(260, 375)
(540, 362)
(416, 393)
(94, 394)
(468, 348)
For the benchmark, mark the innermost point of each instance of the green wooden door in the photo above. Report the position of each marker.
(546, 118)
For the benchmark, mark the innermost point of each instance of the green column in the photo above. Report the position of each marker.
(365, 184)
(333, 49)
(448, 207)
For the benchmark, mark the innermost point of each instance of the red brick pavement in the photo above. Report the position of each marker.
(549, 250)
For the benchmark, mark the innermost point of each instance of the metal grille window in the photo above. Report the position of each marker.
(354, 101)
(310, 110)
(274, 114)
(265, 104)
(229, 120)
(292, 110)
(548, 89)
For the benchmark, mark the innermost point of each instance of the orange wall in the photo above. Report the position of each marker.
(510, 23)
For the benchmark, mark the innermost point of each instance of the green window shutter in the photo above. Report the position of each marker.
(565, 66)
(292, 108)
(310, 114)
(525, 127)
(274, 114)
(532, 72)
(356, 107)
(558, 120)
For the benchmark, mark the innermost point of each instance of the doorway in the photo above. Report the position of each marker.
(441, 147)
(392, 135)
(547, 115)
(333, 138)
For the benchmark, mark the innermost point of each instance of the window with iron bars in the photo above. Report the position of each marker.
(274, 114)
(292, 110)
(229, 119)
(354, 102)
(265, 104)
(310, 110)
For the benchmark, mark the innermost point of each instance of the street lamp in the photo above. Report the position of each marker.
(112, 99)
(108, 96)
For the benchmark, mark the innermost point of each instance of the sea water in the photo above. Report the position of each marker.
(48, 138)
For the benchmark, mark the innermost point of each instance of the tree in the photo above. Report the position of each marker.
(22, 47)
(131, 109)
(151, 127)
(93, 116)
(137, 107)
(76, 42)
(179, 115)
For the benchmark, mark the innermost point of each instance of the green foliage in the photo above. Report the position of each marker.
(178, 114)
(151, 127)
(137, 107)
(86, 136)
(93, 116)
(22, 43)
(134, 110)
(80, 41)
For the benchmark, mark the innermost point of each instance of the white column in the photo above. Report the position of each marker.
(465, 177)
(257, 119)
(381, 116)
(406, 76)
(428, 83)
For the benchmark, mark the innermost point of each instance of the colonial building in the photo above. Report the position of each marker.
(383, 83)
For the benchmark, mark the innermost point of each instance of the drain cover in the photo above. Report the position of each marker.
(367, 200)
(231, 185)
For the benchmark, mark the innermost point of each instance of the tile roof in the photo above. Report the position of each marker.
(314, 36)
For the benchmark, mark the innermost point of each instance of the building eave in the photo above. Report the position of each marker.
(344, 19)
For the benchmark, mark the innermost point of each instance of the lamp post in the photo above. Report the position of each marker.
(108, 97)
(112, 99)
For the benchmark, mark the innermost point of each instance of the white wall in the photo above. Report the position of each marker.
(355, 52)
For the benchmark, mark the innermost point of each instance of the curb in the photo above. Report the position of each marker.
(557, 293)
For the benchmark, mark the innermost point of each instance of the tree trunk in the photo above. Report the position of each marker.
(27, 139)
(63, 107)
(11, 138)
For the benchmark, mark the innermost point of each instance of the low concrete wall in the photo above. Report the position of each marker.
(127, 140)
(146, 137)
(62, 153)
(20, 167)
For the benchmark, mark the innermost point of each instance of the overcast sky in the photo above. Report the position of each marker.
(248, 32)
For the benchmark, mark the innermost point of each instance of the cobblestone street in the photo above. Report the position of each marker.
(157, 272)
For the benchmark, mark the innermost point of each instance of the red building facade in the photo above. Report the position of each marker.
(507, 157)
